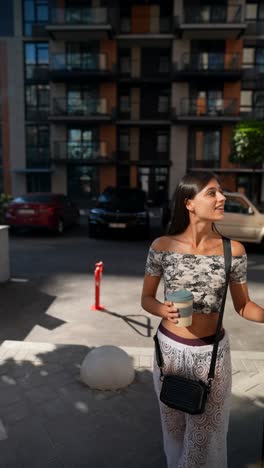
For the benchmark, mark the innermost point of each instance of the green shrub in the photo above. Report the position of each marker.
(4, 201)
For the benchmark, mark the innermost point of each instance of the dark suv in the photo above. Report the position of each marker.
(119, 210)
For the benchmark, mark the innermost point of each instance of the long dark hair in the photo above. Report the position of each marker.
(191, 184)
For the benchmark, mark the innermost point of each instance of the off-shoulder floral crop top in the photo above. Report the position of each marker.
(203, 275)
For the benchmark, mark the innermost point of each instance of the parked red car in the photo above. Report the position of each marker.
(42, 210)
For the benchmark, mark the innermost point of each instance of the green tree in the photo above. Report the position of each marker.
(4, 201)
(248, 143)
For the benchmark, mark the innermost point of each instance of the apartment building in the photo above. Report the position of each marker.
(96, 93)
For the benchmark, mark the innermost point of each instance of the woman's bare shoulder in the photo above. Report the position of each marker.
(237, 249)
(161, 243)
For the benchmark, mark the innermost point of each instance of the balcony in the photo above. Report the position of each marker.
(77, 110)
(156, 158)
(37, 156)
(72, 67)
(252, 112)
(144, 29)
(255, 28)
(94, 152)
(79, 23)
(211, 22)
(37, 114)
(207, 65)
(38, 72)
(145, 116)
(201, 111)
(34, 29)
(204, 163)
(253, 77)
(136, 72)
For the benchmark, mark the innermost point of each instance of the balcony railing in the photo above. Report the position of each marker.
(35, 29)
(38, 72)
(136, 70)
(204, 163)
(80, 15)
(74, 62)
(208, 62)
(144, 114)
(75, 151)
(210, 14)
(34, 113)
(200, 107)
(143, 25)
(252, 112)
(94, 107)
(255, 28)
(37, 155)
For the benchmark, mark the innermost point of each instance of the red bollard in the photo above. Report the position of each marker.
(97, 280)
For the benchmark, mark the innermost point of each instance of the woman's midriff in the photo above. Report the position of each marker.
(202, 325)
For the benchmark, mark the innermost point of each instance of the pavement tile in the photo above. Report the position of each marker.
(9, 394)
(32, 443)
(9, 457)
(15, 412)
(40, 394)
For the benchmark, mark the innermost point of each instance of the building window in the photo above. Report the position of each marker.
(38, 183)
(83, 183)
(37, 102)
(125, 65)
(164, 64)
(251, 11)
(162, 142)
(36, 16)
(37, 145)
(124, 141)
(124, 103)
(248, 57)
(163, 104)
(204, 148)
(36, 60)
(83, 144)
(154, 181)
(83, 56)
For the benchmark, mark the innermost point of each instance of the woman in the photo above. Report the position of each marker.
(191, 257)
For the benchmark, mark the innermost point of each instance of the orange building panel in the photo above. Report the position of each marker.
(140, 19)
(107, 177)
(133, 176)
(107, 134)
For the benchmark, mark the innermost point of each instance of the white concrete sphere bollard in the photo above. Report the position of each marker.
(107, 368)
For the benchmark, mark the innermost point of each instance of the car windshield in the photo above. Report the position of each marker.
(122, 199)
(34, 199)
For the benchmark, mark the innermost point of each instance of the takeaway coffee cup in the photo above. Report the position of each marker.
(183, 300)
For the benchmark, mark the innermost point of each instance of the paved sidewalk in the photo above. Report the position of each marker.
(49, 419)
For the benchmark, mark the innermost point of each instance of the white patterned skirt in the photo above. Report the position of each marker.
(196, 441)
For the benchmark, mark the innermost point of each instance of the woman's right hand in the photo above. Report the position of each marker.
(171, 313)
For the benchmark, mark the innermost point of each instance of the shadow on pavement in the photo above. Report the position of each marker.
(23, 306)
(132, 322)
(246, 436)
(49, 418)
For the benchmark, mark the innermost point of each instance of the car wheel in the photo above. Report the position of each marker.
(60, 227)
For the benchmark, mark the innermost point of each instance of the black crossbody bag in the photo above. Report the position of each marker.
(186, 394)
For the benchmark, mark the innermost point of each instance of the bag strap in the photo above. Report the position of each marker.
(228, 260)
